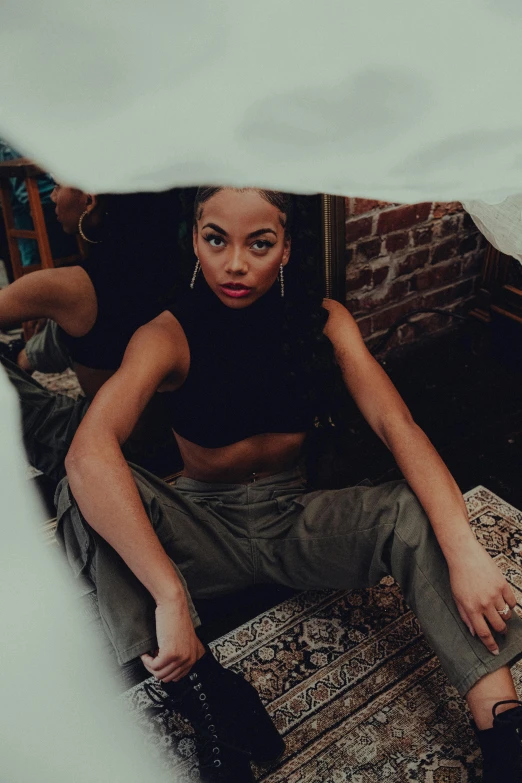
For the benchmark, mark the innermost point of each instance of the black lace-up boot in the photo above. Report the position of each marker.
(232, 726)
(502, 746)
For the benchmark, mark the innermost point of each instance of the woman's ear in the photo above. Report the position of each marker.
(91, 202)
(195, 240)
(286, 251)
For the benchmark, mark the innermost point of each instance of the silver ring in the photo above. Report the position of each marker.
(505, 611)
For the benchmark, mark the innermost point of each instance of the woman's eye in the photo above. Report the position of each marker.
(214, 240)
(262, 244)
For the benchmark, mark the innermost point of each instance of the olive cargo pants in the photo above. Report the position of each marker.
(225, 537)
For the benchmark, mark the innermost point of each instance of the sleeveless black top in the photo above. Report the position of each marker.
(132, 286)
(237, 385)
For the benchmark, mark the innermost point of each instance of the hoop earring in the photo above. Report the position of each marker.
(282, 279)
(196, 270)
(82, 233)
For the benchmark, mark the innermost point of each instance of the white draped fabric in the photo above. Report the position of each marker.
(404, 101)
(59, 718)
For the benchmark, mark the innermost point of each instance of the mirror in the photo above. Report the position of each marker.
(143, 229)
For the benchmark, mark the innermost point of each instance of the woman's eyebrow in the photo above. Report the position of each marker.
(261, 231)
(216, 228)
(253, 234)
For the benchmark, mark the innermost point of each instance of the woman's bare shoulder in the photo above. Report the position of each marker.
(338, 315)
(161, 345)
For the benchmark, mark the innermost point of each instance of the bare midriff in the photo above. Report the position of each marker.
(243, 462)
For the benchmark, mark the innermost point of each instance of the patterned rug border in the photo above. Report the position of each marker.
(377, 706)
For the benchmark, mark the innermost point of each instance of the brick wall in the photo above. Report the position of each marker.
(401, 257)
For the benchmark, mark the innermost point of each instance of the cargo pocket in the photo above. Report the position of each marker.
(72, 531)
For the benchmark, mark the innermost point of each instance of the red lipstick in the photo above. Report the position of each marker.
(235, 290)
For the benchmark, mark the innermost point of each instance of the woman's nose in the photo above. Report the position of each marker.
(237, 261)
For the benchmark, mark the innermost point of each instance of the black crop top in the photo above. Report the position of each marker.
(132, 287)
(236, 386)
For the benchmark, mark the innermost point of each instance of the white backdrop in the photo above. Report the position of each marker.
(407, 101)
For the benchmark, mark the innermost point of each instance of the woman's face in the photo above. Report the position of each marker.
(241, 244)
(70, 205)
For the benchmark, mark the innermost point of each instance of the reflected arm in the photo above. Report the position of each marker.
(65, 295)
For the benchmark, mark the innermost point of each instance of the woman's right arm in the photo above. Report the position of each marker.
(104, 488)
(65, 295)
(99, 476)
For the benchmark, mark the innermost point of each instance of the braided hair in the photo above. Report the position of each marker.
(308, 353)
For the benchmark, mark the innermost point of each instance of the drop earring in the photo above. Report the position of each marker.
(282, 279)
(196, 270)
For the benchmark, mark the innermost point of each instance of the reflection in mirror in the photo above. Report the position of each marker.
(138, 253)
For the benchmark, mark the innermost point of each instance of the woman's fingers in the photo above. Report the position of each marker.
(509, 596)
(165, 667)
(465, 617)
(496, 620)
(483, 632)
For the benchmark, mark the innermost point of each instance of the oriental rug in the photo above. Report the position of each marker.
(351, 683)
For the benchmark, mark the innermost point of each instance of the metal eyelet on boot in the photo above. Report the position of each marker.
(217, 762)
(193, 677)
(215, 751)
(197, 687)
(202, 696)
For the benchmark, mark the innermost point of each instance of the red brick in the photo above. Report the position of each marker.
(360, 206)
(468, 244)
(397, 241)
(444, 250)
(362, 278)
(413, 261)
(448, 295)
(403, 217)
(356, 229)
(441, 208)
(372, 342)
(472, 265)
(450, 225)
(355, 302)
(436, 276)
(387, 317)
(369, 249)
(422, 236)
(380, 274)
(365, 326)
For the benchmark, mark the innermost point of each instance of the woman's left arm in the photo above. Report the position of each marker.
(479, 588)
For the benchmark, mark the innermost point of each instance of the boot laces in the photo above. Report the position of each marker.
(208, 743)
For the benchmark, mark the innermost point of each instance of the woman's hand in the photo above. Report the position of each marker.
(481, 592)
(179, 647)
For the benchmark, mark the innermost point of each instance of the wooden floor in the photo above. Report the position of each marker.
(465, 390)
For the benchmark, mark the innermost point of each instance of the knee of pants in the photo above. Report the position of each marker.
(412, 526)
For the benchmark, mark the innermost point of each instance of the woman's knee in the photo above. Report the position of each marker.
(412, 526)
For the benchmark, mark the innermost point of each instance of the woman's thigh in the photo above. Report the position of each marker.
(192, 530)
(344, 539)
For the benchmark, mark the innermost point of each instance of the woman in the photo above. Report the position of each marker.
(240, 362)
(94, 309)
